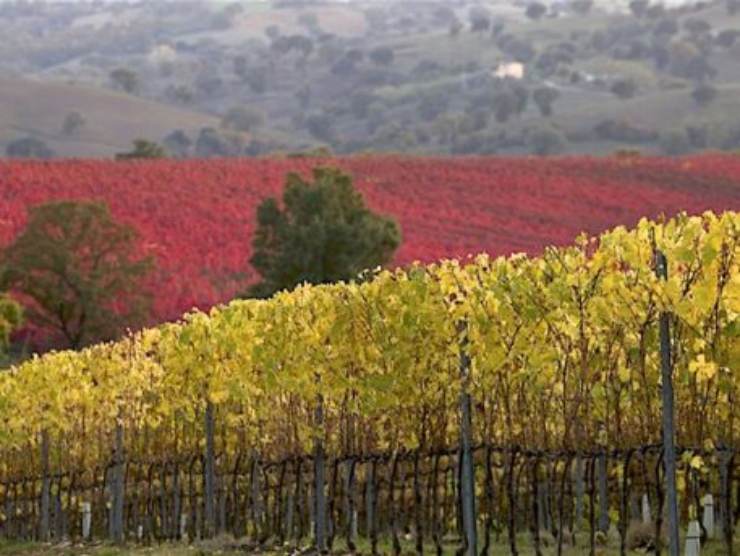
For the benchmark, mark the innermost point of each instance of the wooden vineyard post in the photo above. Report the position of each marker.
(693, 539)
(603, 477)
(349, 504)
(45, 488)
(580, 492)
(467, 486)
(707, 515)
(725, 471)
(209, 473)
(371, 505)
(511, 498)
(646, 515)
(86, 520)
(183, 532)
(319, 467)
(669, 434)
(117, 502)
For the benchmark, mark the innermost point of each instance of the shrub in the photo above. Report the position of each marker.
(675, 141)
(28, 147)
(641, 536)
(623, 130)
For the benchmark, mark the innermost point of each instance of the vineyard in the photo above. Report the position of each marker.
(508, 395)
(197, 217)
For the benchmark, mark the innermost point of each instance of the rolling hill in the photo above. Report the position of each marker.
(113, 120)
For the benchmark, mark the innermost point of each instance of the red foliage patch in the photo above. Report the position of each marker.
(197, 216)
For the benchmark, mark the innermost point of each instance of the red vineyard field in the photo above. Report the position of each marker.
(196, 217)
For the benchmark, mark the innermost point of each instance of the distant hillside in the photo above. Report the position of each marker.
(197, 217)
(112, 120)
(383, 76)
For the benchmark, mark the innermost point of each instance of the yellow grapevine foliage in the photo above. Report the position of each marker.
(564, 352)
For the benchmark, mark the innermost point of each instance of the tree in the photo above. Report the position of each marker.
(28, 147)
(285, 43)
(143, 149)
(180, 93)
(581, 7)
(257, 80)
(624, 88)
(377, 18)
(704, 95)
(667, 26)
(303, 94)
(343, 67)
(535, 10)
(727, 38)
(518, 48)
(697, 26)
(209, 83)
(675, 141)
(79, 270)
(455, 28)
(480, 19)
(444, 15)
(505, 105)
(309, 20)
(546, 141)
(241, 66)
(432, 104)
(355, 55)
(624, 130)
(73, 122)
(11, 317)
(213, 143)
(687, 61)
(655, 11)
(178, 143)
(359, 104)
(125, 79)
(522, 98)
(324, 233)
(241, 118)
(321, 127)
(382, 56)
(272, 32)
(225, 18)
(639, 7)
(544, 97)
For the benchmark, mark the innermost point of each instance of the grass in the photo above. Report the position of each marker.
(227, 545)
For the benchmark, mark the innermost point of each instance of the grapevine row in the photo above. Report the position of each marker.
(562, 353)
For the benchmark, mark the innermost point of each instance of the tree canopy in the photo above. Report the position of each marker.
(76, 270)
(323, 233)
(11, 316)
(29, 147)
(143, 149)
